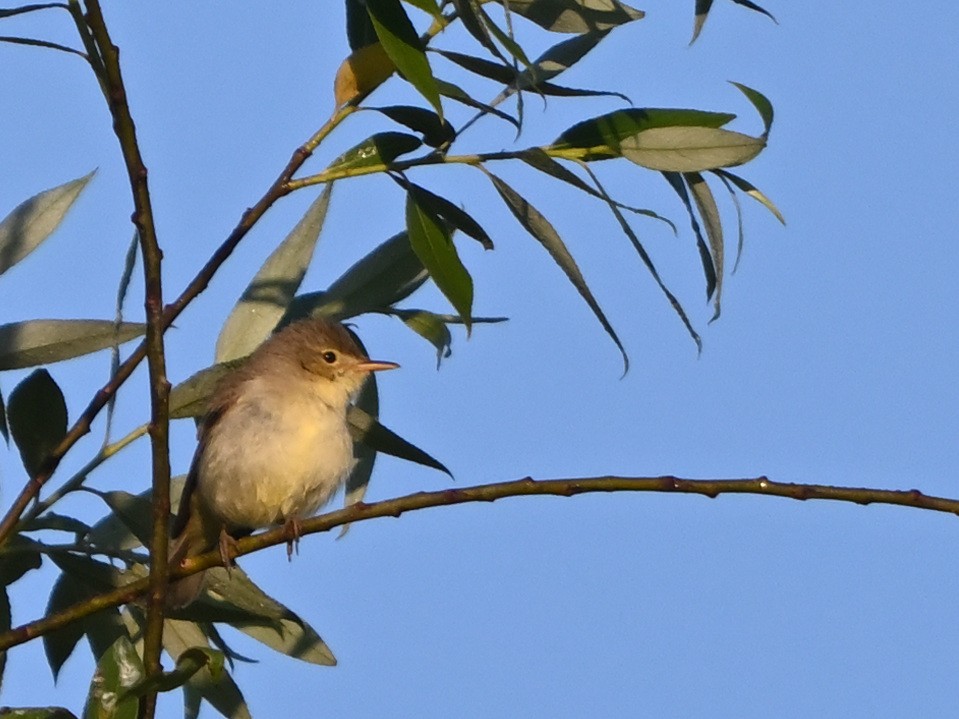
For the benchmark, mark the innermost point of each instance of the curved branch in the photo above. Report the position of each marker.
(527, 487)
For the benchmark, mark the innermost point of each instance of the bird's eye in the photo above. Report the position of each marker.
(329, 357)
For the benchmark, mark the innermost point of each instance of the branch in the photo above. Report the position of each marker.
(125, 130)
(528, 487)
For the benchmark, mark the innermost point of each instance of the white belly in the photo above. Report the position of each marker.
(264, 463)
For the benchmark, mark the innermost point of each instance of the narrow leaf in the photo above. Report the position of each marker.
(189, 397)
(359, 27)
(435, 132)
(379, 149)
(741, 240)
(753, 192)
(647, 260)
(602, 136)
(278, 627)
(678, 183)
(709, 212)
(35, 342)
(359, 480)
(220, 692)
(762, 104)
(452, 214)
(129, 261)
(366, 430)
(540, 228)
(187, 664)
(430, 327)
(433, 244)
(119, 669)
(576, 16)
(690, 149)
(18, 556)
(702, 12)
(403, 46)
(269, 294)
(454, 92)
(35, 220)
(3, 420)
(38, 418)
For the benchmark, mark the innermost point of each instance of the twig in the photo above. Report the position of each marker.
(528, 487)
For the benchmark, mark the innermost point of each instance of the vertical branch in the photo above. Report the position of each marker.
(125, 130)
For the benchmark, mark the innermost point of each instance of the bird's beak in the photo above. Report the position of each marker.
(375, 366)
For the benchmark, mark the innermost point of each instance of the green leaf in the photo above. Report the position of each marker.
(35, 342)
(187, 664)
(752, 191)
(741, 239)
(267, 297)
(358, 482)
(81, 579)
(6, 623)
(130, 519)
(709, 212)
(433, 244)
(220, 692)
(126, 276)
(35, 220)
(537, 158)
(576, 16)
(495, 71)
(39, 712)
(385, 276)
(58, 523)
(702, 12)
(431, 327)
(18, 556)
(454, 92)
(403, 47)
(189, 397)
(762, 104)
(379, 149)
(119, 669)
(690, 149)
(274, 625)
(678, 183)
(562, 56)
(647, 260)
(469, 13)
(366, 430)
(540, 228)
(3, 420)
(359, 27)
(435, 132)
(602, 136)
(452, 214)
(38, 418)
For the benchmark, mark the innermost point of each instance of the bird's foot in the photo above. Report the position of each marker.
(292, 527)
(228, 550)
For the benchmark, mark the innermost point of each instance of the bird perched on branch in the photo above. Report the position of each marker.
(274, 445)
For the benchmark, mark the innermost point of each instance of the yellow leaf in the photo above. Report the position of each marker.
(362, 72)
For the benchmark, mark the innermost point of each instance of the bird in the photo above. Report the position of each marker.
(274, 445)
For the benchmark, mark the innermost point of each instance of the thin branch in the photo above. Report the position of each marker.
(528, 487)
(10, 12)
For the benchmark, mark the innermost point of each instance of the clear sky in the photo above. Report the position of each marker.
(834, 362)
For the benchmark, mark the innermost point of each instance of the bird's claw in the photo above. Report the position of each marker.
(228, 550)
(292, 527)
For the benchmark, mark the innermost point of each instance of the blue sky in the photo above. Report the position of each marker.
(833, 362)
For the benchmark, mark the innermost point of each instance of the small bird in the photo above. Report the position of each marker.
(274, 445)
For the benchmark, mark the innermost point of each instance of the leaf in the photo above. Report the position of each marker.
(709, 212)
(131, 521)
(540, 228)
(762, 104)
(690, 149)
(6, 623)
(702, 12)
(3, 420)
(454, 92)
(678, 183)
(119, 669)
(576, 16)
(753, 192)
(469, 14)
(34, 220)
(647, 260)
(359, 27)
(435, 132)
(18, 556)
(221, 692)
(603, 136)
(495, 71)
(452, 214)
(368, 431)
(433, 244)
(564, 54)
(187, 664)
(277, 627)
(402, 45)
(57, 522)
(126, 276)
(379, 149)
(189, 397)
(741, 240)
(81, 579)
(35, 342)
(537, 158)
(269, 294)
(364, 70)
(431, 327)
(358, 482)
(38, 418)
(383, 277)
